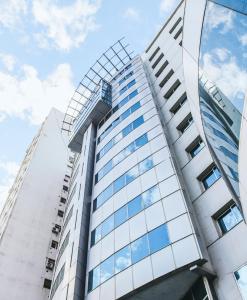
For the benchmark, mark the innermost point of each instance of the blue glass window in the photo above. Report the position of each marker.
(107, 168)
(158, 239)
(135, 206)
(141, 141)
(123, 116)
(116, 108)
(125, 88)
(125, 77)
(135, 107)
(212, 176)
(229, 154)
(122, 181)
(122, 259)
(241, 278)
(138, 122)
(132, 174)
(151, 196)
(149, 243)
(127, 130)
(234, 174)
(121, 216)
(94, 278)
(107, 269)
(139, 249)
(196, 148)
(107, 226)
(96, 235)
(118, 184)
(105, 195)
(223, 136)
(145, 165)
(231, 217)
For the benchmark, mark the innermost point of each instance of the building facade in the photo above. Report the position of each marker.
(156, 202)
(31, 218)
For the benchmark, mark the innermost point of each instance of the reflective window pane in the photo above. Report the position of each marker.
(96, 235)
(211, 177)
(107, 226)
(138, 122)
(158, 238)
(132, 174)
(151, 196)
(107, 269)
(139, 249)
(104, 196)
(142, 140)
(230, 218)
(127, 130)
(241, 278)
(94, 278)
(119, 184)
(122, 259)
(135, 206)
(135, 107)
(121, 216)
(145, 165)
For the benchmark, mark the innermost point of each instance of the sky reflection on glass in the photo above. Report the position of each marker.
(223, 52)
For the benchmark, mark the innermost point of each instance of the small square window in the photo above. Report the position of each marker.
(241, 278)
(185, 124)
(62, 200)
(60, 213)
(50, 264)
(65, 188)
(195, 147)
(209, 176)
(54, 244)
(47, 284)
(56, 229)
(229, 217)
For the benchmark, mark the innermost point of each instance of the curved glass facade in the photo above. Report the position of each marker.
(222, 83)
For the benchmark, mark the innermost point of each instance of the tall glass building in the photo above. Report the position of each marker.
(156, 207)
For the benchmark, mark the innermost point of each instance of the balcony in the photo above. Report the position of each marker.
(97, 106)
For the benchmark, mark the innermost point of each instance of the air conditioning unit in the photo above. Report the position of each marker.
(50, 264)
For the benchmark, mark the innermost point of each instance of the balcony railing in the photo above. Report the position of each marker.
(97, 106)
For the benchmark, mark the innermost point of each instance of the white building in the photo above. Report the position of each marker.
(30, 214)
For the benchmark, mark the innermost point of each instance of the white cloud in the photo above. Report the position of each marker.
(132, 13)
(29, 97)
(222, 53)
(65, 26)
(228, 75)
(8, 61)
(167, 5)
(9, 170)
(243, 39)
(216, 16)
(11, 12)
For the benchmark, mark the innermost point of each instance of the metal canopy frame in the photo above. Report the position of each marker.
(110, 62)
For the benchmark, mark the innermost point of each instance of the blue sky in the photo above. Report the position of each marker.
(47, 46)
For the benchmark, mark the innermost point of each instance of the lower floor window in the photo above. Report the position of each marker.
(241, 278)
(147, 244)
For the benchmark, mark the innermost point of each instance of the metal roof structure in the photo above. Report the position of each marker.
(110, 62)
